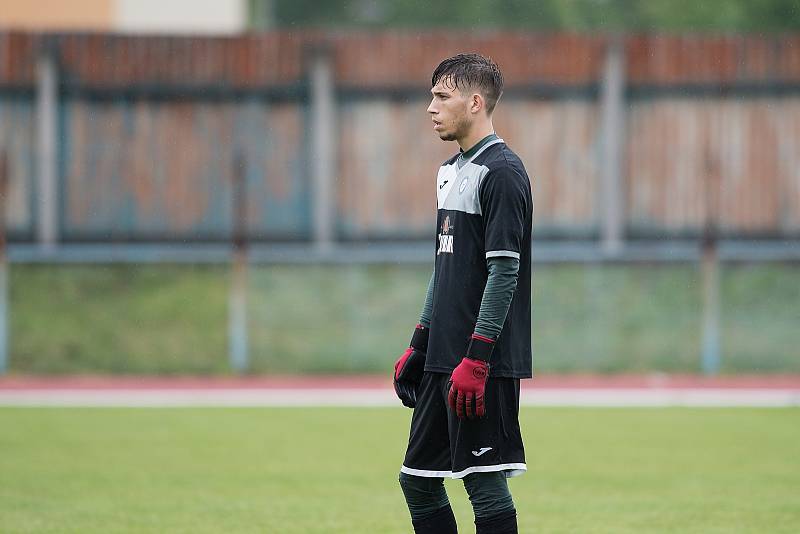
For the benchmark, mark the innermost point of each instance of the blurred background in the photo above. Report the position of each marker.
(233, 186)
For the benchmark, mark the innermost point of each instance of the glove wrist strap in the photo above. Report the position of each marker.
(480, 348)
(419, 340)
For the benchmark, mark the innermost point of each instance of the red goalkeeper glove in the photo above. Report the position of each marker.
(468, 383)
(409, 367)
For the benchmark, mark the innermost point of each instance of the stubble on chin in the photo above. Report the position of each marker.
(460, 128)
(454, 133)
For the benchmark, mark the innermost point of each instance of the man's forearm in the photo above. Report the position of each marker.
(500, 287)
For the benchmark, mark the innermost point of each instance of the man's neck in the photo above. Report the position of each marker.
(475, 136)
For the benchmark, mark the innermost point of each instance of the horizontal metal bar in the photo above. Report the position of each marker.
(122, 253)
(739, 89)
(167, 92)
(17, 91)
(421, 92)
(395, 253)
(296, 91)
(299, 91)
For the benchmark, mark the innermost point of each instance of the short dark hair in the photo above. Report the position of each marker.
(472, 71)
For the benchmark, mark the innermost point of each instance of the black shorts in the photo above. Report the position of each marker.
(442, 445)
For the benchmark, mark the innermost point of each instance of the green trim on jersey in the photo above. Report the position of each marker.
(464, 156)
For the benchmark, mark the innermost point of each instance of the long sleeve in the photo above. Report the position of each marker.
(500, 287)
(427, 308)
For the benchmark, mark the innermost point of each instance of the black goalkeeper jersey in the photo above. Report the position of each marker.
(485, 209)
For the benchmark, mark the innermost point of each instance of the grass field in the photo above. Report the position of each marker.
(351, 319)
(325, 470)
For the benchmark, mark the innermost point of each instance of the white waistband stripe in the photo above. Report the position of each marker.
(513, 471)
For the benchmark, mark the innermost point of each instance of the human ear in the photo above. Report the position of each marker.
(477, 103)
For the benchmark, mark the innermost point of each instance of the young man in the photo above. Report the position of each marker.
(473, 342)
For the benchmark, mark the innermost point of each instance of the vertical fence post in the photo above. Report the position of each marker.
(47, 146)
(323, 150)
(711, 311)
(613, 113)
(4, 177)
(709, 266)
(237, 306)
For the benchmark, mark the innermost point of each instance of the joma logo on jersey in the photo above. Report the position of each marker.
(445, 238)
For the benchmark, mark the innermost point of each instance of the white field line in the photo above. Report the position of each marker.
(164, 398)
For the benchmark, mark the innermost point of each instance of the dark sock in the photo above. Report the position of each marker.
(441, 521)
(505, 523)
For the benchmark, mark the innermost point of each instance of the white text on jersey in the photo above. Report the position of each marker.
(445, 244)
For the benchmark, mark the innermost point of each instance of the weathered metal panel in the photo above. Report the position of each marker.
(667, 148)
(698, 59)
(362, 59)
(18, 141)
(146, 169)
(787, 124)
(369, 59)
(138, 168)
(391, 58)
(559, 143)
(389, 156)
(733, 162)
(17, 58)
(273, 140)
(247, 61)
(758, 149)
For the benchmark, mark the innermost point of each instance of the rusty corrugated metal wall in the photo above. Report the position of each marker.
(143, 170)
(17, 138)
(150, 126)
(747, 150)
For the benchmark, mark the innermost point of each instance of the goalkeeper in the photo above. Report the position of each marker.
(472, 345)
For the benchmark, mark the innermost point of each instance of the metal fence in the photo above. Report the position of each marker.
(304, 160)
(136, 139)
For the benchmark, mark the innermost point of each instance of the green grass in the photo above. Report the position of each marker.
(325, 470)
(344, 319)
(118, 318)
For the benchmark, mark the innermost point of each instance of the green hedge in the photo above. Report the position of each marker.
(343, 319)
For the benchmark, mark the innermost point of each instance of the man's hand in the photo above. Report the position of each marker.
(409, 368)
(468, 383)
